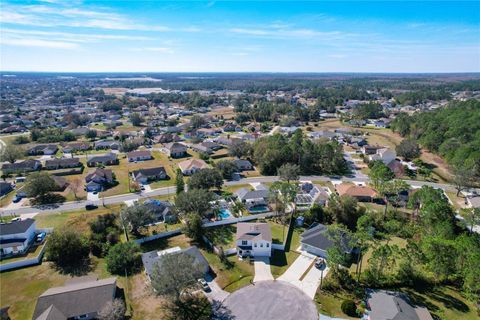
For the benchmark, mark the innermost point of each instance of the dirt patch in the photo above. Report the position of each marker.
(144, 303)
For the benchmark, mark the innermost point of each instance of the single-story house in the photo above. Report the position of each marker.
(139, 155)
(251, 198)
(316, 241)
(105, 160)
(254, 239)
(190, 166)
(98, 180)
(153, 258)
(387, 305)
(162, 210)
(5, 187)
(76, 300)
(107, 144)
(243, 165)
(361, 193)
(143, 176)
(76, 146)
(43, 149)
(62, 163)
(386, 155)
(166, 138)
(16, 236)
(310, 194)
(175, 149)
(22, 166)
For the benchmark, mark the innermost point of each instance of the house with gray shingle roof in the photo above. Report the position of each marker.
(254, 239)
(79, 300)
(391, 305)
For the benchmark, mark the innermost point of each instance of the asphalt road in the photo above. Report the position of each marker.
(76, 205)
(267, 300)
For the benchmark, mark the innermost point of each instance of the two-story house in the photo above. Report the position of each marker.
(254, 239)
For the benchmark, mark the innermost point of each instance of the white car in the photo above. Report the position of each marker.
(204, 285)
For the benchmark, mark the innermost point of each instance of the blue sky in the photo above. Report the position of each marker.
(216, 36)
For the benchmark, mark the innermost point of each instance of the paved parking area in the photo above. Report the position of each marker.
(262, 269)
(268, 300)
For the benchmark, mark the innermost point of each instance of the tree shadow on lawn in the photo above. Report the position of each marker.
(75, 270)
(278, 258)
(221, 235)
(418, 294)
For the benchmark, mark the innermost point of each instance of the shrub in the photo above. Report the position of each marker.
(67, 249)
(349, 308)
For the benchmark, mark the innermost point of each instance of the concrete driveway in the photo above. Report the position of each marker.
(267, 300)
(310, 282)
(216, 293)
(262, 269)
(297, 269)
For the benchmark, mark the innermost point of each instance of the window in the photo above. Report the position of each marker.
(244, 242)
(255, 245)
(268, 245)
(261, 245)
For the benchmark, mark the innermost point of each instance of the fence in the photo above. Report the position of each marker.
(159, 236)
(25, 262)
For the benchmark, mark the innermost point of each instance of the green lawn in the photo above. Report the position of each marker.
(75, 219)
(329, 303)
(223, 236)
(281, 260)
(233, 277)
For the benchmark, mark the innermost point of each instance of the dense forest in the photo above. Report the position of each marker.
(452, 132)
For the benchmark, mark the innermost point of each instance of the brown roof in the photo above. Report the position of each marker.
(190, 163)
(139, 153)
(355, 191)
(254, 231)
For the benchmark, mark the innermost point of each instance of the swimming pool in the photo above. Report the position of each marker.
(224, 213)
(257, 209)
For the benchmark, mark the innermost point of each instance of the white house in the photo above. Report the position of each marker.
(386, 155)
(254, 239)
(16, 236)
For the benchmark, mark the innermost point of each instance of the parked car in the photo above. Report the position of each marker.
(320, 263)
(39, 238)
(91, 206)
(17, 198)
(204, 285)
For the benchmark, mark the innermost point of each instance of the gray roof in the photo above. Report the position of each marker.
(245, 194)
(152, 258)
(317, 237)
(77, 299)
(103, 158)
(149, 172)
(14, 227)
(254, 231)
(388, 305)
(52, 313)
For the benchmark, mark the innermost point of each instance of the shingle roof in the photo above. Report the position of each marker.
(149, 172)
(388, 305)
(355, 191)
(77, 299)
(245, 194)
(152, 258)
(317, 237)
(254, 231)
(14, 227)
(51, 313)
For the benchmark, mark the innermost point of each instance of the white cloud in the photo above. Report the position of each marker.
(55, 16)
(38, 43)
(154, 49)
